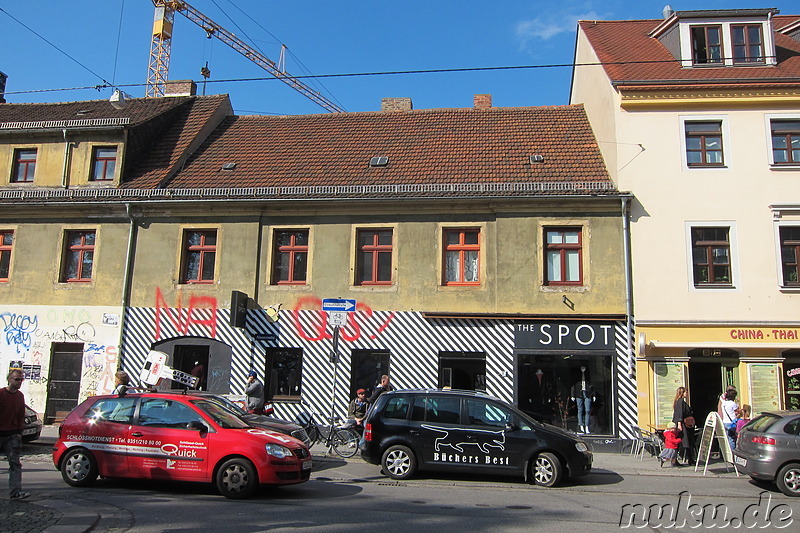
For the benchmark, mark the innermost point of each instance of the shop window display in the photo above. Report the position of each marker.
(571, 392)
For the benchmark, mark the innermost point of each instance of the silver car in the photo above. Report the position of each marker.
(768, 449)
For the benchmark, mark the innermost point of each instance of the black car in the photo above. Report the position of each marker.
(259, 421)
(33, 425)
(470, 432)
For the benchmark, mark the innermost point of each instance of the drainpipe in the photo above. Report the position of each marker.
(67, 161)
(126, 282)
(626, 247)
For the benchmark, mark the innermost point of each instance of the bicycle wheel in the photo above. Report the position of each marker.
(313, 435)
(345, 443)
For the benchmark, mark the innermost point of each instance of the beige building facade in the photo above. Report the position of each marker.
(707, 139)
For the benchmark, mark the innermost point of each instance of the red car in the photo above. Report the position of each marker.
(173, 436)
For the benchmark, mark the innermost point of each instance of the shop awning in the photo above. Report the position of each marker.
(729, 345)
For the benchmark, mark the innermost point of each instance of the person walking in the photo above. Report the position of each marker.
(255, 394)
(684, 420)
(12, 421)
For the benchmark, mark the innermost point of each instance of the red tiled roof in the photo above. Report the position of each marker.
(138, 110)
(433, 146)
(168, 142)
(629, 54)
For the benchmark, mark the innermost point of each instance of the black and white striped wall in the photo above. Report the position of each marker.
(413, 341)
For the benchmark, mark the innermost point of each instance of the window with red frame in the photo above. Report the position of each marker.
(199, 256)
(24, 166)
(748, 43)
(462, 256)
(6, 242)
(786, 142)
(704, 144)
(563, 256)
(707, 45)
(104, 163)
(290, 257)
(78, 256)
(374, 260)
(711, 256)
(790, 255)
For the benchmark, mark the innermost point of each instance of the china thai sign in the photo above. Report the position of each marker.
(546, 335)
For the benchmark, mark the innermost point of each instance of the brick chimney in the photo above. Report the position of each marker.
(402, 103)
(482, 101)
(180, 88)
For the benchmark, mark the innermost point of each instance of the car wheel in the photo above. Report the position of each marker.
(79, 468)
(398, 462)
(546, 470)
(788, 479)
(237, 479)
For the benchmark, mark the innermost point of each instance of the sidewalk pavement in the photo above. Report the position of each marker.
(37, 514)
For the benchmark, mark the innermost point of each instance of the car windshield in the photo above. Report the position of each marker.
(227, 405)
(220, 415)
(762, 423)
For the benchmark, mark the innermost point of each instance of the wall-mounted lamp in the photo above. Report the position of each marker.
(569, 303)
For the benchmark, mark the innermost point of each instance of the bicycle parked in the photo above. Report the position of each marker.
(336, 436)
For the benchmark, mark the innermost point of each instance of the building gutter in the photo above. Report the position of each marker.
(626, 252)
(126, 282)
(67, 161)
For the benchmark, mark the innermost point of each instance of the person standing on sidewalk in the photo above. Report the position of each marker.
(385, 386)
(12, 421)
(684, 419)
(255, 394)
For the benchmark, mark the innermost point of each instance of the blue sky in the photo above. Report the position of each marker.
(323, 37)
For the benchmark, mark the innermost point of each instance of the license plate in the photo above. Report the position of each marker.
(740, 460)
(29, 431)
(307, 465)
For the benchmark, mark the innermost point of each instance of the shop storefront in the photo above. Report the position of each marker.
(568, 372)
(760, 361)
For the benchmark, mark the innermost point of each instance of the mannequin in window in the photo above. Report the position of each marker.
(583, 395)
(542, 394)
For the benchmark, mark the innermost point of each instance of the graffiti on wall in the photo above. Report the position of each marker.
(201, 311)
(18, 330)
(26, 338)
(352, 332)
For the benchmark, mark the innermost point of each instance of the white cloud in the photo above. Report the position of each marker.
(548, 26)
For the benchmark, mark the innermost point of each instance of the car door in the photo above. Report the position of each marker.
(106, 434)
(495, 434)
(162, 446)
(444, 446)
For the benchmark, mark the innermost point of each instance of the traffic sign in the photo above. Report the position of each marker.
(337, 304)
(337, 318)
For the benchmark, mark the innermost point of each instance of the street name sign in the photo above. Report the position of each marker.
(338, 304)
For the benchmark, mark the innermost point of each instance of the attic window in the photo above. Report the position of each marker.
(229, 166)
(380, 161)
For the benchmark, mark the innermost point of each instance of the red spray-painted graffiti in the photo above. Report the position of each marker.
(192, 316)
(351, 332)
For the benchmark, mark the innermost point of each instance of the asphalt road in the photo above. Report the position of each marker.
(353, 496)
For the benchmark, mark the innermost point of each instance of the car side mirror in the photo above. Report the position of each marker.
(196, 424)
(511, 426)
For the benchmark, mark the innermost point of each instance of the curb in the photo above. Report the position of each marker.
(73, 519)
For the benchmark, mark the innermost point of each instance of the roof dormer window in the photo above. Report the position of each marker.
(707, 45)
(748, 43)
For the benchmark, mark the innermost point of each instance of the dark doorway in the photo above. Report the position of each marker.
(705, 387)
(366, 369)
(192, 359)
(462, 370)
(64, 381)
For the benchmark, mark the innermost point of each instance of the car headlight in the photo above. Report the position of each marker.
(581, 447)
(276, 450)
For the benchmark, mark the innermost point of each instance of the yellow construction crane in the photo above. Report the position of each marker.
(161, 45)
